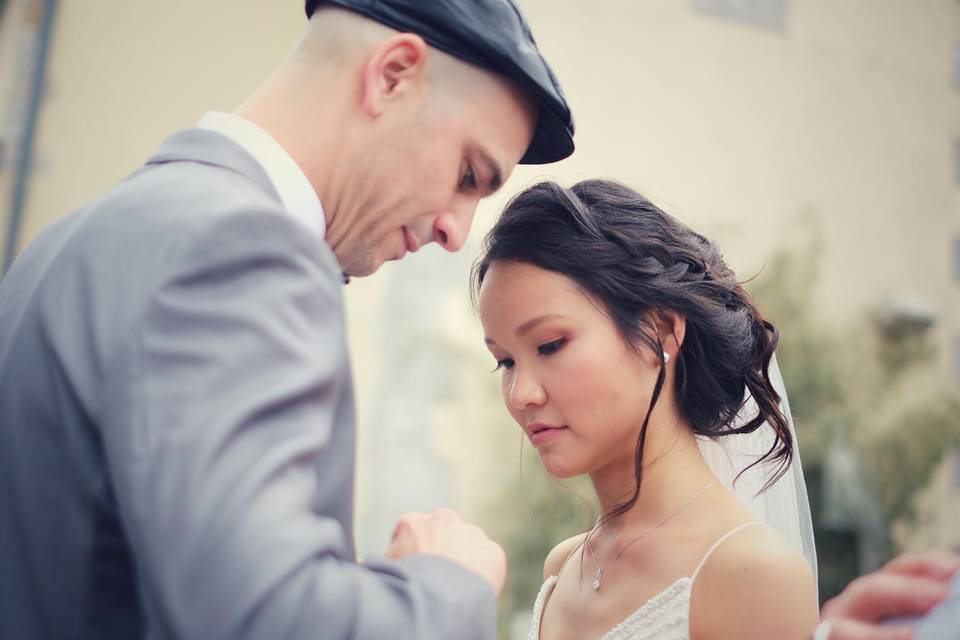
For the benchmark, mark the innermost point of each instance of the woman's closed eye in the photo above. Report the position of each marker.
(545, 349)
(551, 347)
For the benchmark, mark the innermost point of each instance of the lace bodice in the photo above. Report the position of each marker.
(665, 616)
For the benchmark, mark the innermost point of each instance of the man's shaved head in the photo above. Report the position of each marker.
(336, 35)
(399, 139)
(337, 38)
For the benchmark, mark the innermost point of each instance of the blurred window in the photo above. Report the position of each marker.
(956, 64)
(956, 160)
(956, 358)
(956, 261)
(771, 14)
(3, 6)
(956, 468)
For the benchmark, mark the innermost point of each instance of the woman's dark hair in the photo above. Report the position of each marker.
(637, 261)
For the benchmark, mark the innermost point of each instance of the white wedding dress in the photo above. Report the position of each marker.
(665, 616)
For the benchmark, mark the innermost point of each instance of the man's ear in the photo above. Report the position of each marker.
(396, 67)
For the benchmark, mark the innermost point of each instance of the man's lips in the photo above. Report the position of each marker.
(543, 433)
(412, 243)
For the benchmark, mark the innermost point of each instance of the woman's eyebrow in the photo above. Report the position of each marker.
(529, 325)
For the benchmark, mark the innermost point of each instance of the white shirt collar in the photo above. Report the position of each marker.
(295, 191)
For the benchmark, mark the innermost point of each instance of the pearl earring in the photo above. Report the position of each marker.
(666, 357)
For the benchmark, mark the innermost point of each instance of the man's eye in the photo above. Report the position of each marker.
(506, 363)
(469, 179)
(551, 347)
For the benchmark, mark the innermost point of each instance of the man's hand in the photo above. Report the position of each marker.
(443, 533)
(909, 585)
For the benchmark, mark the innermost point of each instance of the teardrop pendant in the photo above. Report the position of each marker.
(596, 581)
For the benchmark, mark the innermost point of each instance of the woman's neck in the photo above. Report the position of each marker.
(673, 472)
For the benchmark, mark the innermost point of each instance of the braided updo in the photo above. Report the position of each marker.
(636, 261)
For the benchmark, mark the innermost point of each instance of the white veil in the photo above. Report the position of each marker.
(784, 506)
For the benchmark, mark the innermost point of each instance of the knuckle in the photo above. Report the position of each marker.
(401, 528)
(859, 586)
(908, 559)
(443, 516)
(830, 608)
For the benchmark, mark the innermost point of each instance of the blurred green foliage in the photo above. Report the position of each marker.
(904, 457)
(842, 382)
(540, 513)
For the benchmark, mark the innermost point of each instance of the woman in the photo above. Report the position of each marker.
(624, 342)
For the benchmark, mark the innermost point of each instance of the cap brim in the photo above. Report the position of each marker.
(552, 141)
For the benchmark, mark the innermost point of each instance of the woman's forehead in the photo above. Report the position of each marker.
(511, 289)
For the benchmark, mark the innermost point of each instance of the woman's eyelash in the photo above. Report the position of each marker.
(545, 349)
(469, 180)
(551, 347)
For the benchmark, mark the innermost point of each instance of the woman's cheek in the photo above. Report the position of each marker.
(505, 395)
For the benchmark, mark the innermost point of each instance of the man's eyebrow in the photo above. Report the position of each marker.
(496, 174)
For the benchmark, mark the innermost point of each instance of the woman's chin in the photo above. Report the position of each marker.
(560, 469)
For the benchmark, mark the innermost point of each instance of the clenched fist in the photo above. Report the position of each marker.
(444, 533)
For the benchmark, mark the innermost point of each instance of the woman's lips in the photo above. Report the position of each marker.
(542, 434)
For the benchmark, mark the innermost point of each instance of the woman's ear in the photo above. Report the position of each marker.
(671, 328)
(393, 70)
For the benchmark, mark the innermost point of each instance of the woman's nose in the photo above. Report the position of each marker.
(524, 391)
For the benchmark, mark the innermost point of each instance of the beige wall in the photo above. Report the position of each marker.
(123, 75)
(848, 114)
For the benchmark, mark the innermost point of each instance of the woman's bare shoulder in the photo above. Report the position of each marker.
(754, 585)
(560, 553)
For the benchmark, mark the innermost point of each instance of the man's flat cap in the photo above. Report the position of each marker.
(491, 34)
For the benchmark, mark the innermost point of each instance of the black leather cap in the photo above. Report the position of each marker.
(491, 34)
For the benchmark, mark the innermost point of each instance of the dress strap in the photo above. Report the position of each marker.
(716, 544)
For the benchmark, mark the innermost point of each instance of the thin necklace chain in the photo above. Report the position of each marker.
(600, 569)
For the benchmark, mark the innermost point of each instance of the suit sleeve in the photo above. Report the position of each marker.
(232, 459)
(941, 623)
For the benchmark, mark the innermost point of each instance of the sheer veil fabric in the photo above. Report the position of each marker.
(784, 506)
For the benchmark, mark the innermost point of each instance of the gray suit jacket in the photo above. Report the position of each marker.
(177, 426)
(943, 623)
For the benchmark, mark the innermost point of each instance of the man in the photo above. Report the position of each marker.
(879, 605)
(176, 417)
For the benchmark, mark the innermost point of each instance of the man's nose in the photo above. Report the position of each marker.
(451, 228)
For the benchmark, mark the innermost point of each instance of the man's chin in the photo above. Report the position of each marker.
(369, 264)
(359, 266)
(383, 261)
(364, 269)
